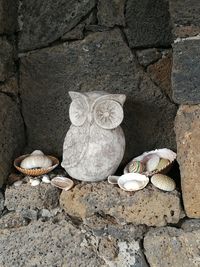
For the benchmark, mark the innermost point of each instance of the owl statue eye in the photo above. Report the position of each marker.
(108, 114)
(78, 111)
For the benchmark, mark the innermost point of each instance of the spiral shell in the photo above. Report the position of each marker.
(136, 166)
(163, 182)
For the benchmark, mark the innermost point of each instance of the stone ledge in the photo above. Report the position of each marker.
(149, 206)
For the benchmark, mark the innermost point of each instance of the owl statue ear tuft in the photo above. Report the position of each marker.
(108, 114)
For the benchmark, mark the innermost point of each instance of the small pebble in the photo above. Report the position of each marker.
(17, 183)
(34, 182)
(45, 179)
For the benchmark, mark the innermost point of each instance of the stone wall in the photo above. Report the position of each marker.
(12, 137)
(147, 49)
(96, 45)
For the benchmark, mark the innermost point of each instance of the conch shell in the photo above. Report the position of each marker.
(37, 159)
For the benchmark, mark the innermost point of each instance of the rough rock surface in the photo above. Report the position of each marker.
(10, 86)
(46, 244)
(148, 56)
(13, 220)
(6, 59)
(1, 203)
(111, 13)
(43, 23)
(148, 23)
(185, 17)
(11, 134)
(149, 206)
(8, 16)
(185, 72)
(102, 61)
(187, 127)
(173, 247)
(24, 197)
(160, 73)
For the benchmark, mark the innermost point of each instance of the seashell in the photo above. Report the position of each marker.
(37, 152)
(152, 162)
(34, 182)
(17, 183)
(162, 164)
(136, 166)
(13, 177)
(112, 179)
(163, 182)
(62, 182)
(36, 171)
(45, 179)
(132, 181)
(163, 153)
(36, 161)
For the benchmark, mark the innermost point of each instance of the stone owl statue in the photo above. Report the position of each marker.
(94, 145)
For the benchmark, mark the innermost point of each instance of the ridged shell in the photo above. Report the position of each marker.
(162, 164)
(112, 179)
(62, 182)
(164, 153)
(136, 166)
(163, 182)
(132, 181)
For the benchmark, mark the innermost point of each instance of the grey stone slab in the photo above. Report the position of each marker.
(12, 138)
(8, 16)
(46, 21)
(172, 247)
(148, 23)
(102, 61)
(185, 72)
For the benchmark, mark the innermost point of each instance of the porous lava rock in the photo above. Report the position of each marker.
(149, 206)
(187, 127)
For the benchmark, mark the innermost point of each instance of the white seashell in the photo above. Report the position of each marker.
(17, 183)
(112, 179)
(45, 179)
(132, 181)
(36, 161)
(37, 152)
(62, 182)
(163, 182)
(34, 182)
(152, 162)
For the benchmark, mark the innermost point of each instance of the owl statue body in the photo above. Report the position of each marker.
(94, 145)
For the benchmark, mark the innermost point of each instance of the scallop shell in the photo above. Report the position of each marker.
(163, 182)
(35, 172)
(136, 166)
(62, 182)
(164, 153)
(36, 161)
(133, 181)
(162, 164)
(112, 179)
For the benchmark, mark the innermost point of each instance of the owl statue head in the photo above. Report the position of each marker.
(101, 108)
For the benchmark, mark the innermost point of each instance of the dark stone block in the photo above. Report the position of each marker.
(45, 21)
(8, 16)
(185, 72)
(148, 23)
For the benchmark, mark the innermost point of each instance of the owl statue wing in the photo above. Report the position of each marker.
(75, 145)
